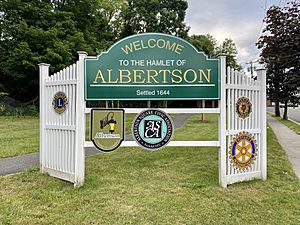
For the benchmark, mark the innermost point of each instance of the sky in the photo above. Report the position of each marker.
(240, 20)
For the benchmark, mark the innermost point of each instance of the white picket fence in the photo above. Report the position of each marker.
(240, 85)
(62, 136)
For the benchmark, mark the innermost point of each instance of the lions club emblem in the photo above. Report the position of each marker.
(243, 150)
(243, 107)
(60, 102)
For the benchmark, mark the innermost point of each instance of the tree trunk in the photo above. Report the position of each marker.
(165, 104)
(277, 109)
(285, 117)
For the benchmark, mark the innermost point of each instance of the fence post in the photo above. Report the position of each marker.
(80, 122)
(43, 73)
(222, 123)
(261, 77)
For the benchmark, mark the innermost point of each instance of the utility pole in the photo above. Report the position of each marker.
(252, 67)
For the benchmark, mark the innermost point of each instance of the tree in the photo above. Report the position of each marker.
(228, 47)
(204, 43)
(280, 44)
(46, 31)
(164, 16)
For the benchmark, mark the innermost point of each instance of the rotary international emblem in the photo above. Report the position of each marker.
(243, 107)
(60, 102)
(243, 150)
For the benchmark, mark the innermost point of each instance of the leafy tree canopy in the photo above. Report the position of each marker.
(280, 44)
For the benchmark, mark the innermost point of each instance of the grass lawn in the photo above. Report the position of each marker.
(293, 126)
(194, 130)
(23, 132)
(18, 135)
(174, 185)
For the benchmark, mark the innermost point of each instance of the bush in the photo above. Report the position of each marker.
(11, 107)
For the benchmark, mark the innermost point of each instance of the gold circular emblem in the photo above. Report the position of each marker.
(243, 150)
(60, 102)
(243, 107)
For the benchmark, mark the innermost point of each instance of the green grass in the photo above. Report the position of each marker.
(293, 126)
(195, 130)
(169, 186)
(18, 135)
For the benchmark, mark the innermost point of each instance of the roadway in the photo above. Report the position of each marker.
(293, 113)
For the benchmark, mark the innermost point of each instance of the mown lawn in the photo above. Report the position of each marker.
(169, 186)
(18, 135)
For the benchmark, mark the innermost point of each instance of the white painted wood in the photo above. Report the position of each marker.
(222, 124)
(171, 110)
(234, 132)
(80, 122)
(60, 82)
(43, 75)
(261, 76)
(60, 174)
(243, 177)
(60, 127)
(89, 144)
(242, 87)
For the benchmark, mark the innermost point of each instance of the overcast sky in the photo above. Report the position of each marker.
(240, 20)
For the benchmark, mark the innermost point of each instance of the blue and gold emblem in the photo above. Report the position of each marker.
(60, 102)
(243, 150)
(243, 107)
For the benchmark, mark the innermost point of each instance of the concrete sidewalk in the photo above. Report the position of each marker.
(289, 141)
(20, 163)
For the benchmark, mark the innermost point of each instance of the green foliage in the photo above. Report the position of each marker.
(204, 43)
(280, 44)
(165, 16)
(208, 45)
(228, 48)
(41, 31)
(33, 31)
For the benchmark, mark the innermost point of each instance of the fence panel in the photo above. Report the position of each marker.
(58, 133)
(62, 133)
(245, 132)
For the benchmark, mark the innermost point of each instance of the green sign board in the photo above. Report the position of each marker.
(151, 66)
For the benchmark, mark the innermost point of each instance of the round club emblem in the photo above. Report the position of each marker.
(243, 107)
(60, 102)
(152, 129)
(243, 150)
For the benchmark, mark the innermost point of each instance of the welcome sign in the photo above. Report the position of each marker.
(151, 66)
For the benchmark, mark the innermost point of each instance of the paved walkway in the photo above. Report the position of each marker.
(21, 163)
(289, 141)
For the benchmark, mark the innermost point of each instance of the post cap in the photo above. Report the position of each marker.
(81, 53)
(43, 64)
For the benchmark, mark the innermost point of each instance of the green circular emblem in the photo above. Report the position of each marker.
(152, 129)
(60, 102)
